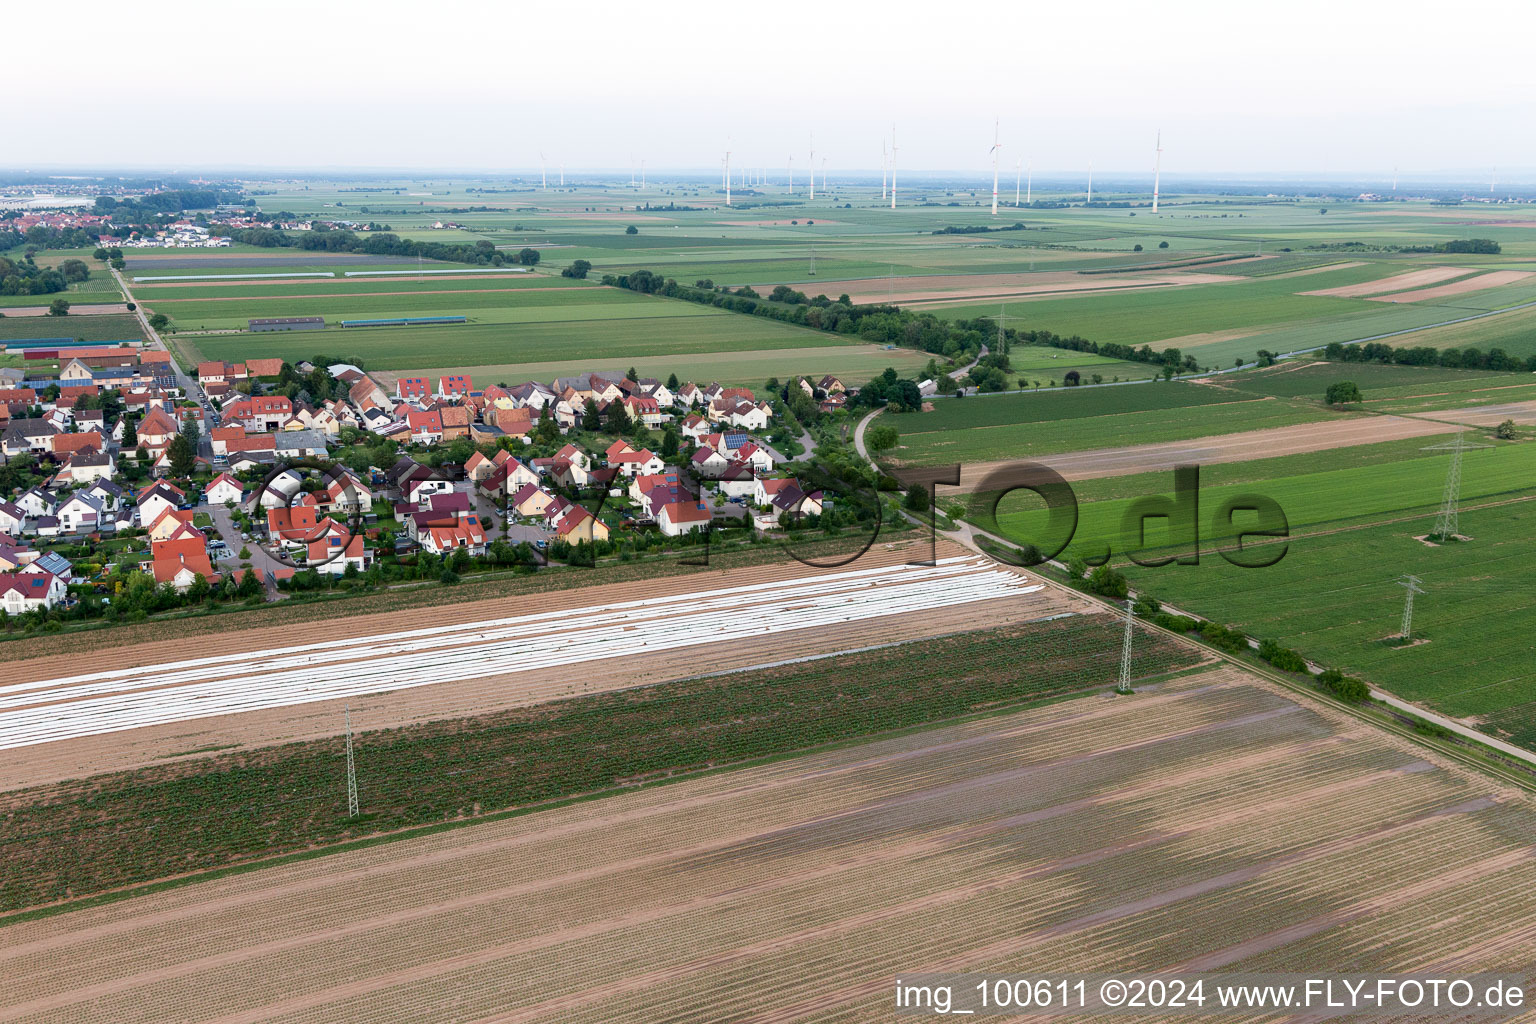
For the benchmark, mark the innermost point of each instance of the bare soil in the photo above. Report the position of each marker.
(1085, 834)
(1397, 282)
(1480, 282)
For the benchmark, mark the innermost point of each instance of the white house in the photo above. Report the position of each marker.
(225, 490)
(25, 591)
(682, 517)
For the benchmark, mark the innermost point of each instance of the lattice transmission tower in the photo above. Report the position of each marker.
(1448, 522)
(1411, 585)
(1124, 686)
(351, 770)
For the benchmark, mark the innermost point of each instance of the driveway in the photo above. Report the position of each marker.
(260, 560)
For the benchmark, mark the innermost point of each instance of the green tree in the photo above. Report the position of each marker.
(617, 418)
(591, 419)
(1343, 392)
(672, 382)
(1505, 431)
(159, 321)
(577, 269)
(183, 456)
(527, 256)
(917, 499)
(1107, 582)
(58, 307)
(631, 230)
(632, 375)
(881, 438)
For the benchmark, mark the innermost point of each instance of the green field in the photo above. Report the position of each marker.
(409, 348)
(854, 364)
(1354, 514)
(111, 327)
(991, 428)
(1301, 378)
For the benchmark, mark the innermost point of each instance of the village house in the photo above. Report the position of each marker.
(22, 592)
(682, 517)
(224, 490)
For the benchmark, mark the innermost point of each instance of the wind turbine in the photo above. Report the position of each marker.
(1018, 174)
(727, 177)
(996, 145)
(543, 178)
(1157, 170)
(791, 171)
(642, 175)
(1029, 184)
(813, 165)
(884, 156)
(562, 175)
(823, 174)
(893, 166)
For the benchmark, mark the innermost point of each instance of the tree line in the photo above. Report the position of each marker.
(1424, 355)
(323, 239)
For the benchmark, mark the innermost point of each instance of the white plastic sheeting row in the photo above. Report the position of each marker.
(130, 698)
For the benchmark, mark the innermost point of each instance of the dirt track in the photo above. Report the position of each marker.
(75, 309)
(1083, 833)
(1254, 444)
(73, 758)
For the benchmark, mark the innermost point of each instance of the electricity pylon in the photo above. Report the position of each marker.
(1124, 686)
(1448, 522)
(1002, 339)
(1411, 586)
(351, 770)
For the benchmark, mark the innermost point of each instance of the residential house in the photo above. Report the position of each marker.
(155, 498)
(84, 468)
(426, 426)
(573, 524)
(259, 413)
(682, 517)
(335, 553)
(79, 513)
(224, 490)
(454, 386)
(530, 500)
(180, 561)
(708, 463)
(28, 591)
(412, 389)
(296, 444)
(27, 435)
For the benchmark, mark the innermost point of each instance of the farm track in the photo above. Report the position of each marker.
(1208, 821)
(458, 662)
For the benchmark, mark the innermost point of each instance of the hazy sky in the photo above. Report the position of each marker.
(1296, 87)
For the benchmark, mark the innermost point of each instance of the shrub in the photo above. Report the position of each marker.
(1107, 582)
(1283, 658)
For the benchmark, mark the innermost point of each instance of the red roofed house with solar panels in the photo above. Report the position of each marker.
(682, 517)
(412, 387)
(453, 386)
(25, 591)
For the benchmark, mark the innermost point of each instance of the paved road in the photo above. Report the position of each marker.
(260, 560)
(189, 385)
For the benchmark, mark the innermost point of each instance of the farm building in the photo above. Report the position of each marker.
(288, 323)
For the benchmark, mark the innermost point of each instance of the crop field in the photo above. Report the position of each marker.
(851, 363)
(574, 340)
(561, 748)
(1514, 332)
(489, 304)
(1080, 834)
(1377, 381)
(988, 428)
(108, 327)
(1354, 515)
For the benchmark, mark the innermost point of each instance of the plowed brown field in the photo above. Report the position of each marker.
(1208, 824)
